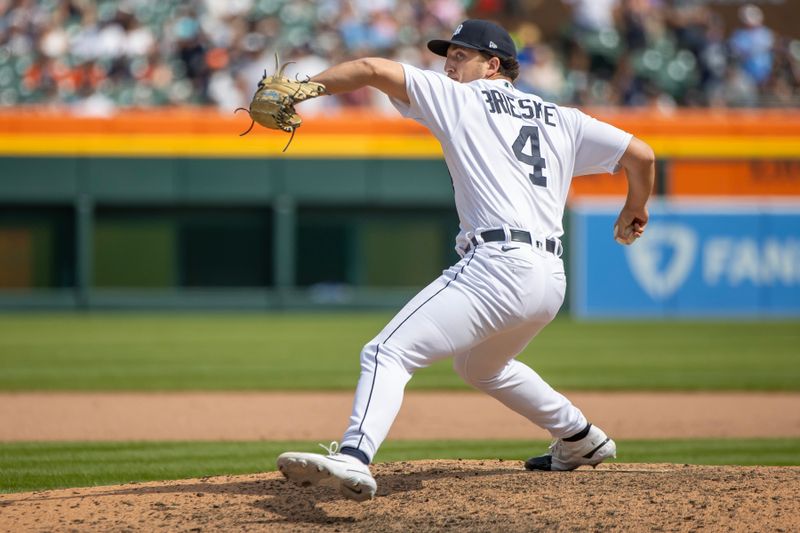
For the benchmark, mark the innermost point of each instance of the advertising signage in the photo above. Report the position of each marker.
(711, 258)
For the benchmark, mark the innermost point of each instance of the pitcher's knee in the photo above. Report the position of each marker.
(377, 353)
(474, 374)
(368, 353)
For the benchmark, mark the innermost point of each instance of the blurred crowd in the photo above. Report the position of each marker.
(667, 53)
(97, 56)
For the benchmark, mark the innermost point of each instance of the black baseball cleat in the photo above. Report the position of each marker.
(543, 462)
(591, 450)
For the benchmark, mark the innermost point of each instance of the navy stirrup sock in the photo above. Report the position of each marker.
(578, 436)
(355, 452)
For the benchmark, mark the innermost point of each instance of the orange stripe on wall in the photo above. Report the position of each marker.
(739, 123)
(735, 178)
(599, 185)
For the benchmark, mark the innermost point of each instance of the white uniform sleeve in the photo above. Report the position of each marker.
(435, 100)
(598, 145)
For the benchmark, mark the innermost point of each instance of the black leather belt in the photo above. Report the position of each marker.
(494, 235)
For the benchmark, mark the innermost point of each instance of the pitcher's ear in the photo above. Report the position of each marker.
(494, 65)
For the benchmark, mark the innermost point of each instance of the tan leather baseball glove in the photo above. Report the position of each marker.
(274, 100)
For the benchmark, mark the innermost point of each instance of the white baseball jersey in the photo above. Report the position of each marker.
(511, 155)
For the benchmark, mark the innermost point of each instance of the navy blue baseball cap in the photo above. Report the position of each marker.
(480, 35)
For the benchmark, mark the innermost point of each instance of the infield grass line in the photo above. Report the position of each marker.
(28, 466)
(304, 351)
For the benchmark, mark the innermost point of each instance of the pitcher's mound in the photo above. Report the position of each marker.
(435, 495)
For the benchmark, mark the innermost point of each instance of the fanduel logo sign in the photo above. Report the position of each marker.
(763, 263)
(662, 259)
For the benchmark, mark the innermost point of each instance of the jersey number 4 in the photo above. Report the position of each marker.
(535, 158)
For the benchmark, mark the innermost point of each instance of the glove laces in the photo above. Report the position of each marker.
(332, 448)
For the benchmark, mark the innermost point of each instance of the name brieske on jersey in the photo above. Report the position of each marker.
(523, 108)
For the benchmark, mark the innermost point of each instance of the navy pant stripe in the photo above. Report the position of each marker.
(378, 347)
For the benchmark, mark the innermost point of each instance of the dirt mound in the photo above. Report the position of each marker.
(435, 495)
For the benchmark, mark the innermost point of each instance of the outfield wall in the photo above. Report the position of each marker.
(172, 209)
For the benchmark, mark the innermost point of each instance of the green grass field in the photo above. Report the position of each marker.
(36, 466)
(312, 352)
(115, 352)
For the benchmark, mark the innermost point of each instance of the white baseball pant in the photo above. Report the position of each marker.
(482, 311)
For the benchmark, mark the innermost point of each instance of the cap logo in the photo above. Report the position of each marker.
(492, 45)
(458, 30)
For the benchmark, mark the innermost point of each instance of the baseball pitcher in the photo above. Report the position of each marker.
(512, 157)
